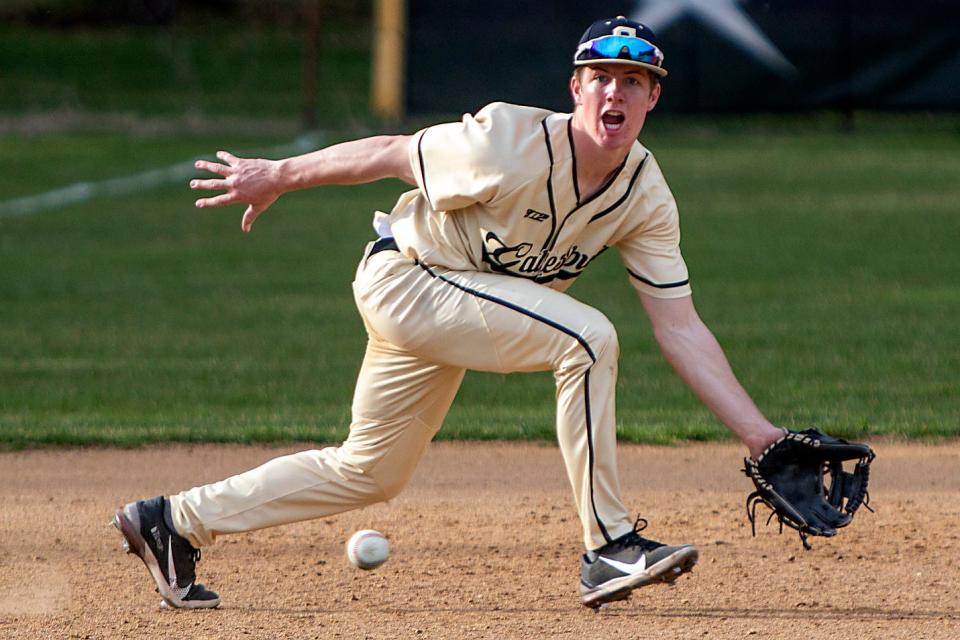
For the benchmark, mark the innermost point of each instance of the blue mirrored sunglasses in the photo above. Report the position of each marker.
(620, 47)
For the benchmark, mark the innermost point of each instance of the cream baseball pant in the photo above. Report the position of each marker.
(426, 326)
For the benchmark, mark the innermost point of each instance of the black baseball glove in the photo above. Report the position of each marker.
(789, 477)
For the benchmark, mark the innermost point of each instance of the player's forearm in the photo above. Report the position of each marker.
(353, 162)
(698, 358)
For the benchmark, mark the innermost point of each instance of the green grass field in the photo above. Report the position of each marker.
(826, 264)
(203, 67)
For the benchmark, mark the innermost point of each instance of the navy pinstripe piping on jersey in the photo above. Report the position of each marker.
(553, 206)
(552, 241)
(573, 155)
(586, 376)
(576, 186)
(423, 169)
(623, 198)
(668, 285)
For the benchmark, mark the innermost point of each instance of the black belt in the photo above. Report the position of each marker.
(383, 244)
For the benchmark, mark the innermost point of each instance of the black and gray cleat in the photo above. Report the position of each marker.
(611, 572)
(171, 560)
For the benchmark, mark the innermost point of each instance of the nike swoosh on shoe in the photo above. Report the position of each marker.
(171, 568)
(631, 569)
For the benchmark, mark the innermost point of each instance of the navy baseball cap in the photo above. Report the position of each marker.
(620, 41)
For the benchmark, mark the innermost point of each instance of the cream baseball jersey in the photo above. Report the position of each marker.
(498, 192)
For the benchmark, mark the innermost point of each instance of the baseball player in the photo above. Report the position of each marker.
(469, 270)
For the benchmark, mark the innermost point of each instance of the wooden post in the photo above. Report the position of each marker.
(389, 63)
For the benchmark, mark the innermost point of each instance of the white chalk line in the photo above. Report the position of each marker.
(85, 191)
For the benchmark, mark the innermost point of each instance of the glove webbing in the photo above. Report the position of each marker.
(850, 486)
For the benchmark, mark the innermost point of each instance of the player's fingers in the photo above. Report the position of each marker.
(249, 216)
(208, 184)
(217, 201)
(213, 167)
(228, 157)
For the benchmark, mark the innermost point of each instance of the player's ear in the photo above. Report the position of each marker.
(654, 96)
(575, 87)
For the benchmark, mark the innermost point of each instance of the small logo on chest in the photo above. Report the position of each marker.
(535, 215)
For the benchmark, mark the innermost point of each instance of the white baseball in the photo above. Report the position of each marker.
(368, 549)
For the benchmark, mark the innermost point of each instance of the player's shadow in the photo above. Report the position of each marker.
(717, 613)
(792, 613)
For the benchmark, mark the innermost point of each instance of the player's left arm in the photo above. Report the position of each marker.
(693, 351)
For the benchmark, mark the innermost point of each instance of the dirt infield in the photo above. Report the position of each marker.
(485, 545)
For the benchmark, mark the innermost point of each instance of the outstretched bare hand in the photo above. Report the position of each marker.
(253, 182)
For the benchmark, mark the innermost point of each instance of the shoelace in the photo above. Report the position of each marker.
(189, 572)
(634, 539)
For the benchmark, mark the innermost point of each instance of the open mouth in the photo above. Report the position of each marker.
(613, 120)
